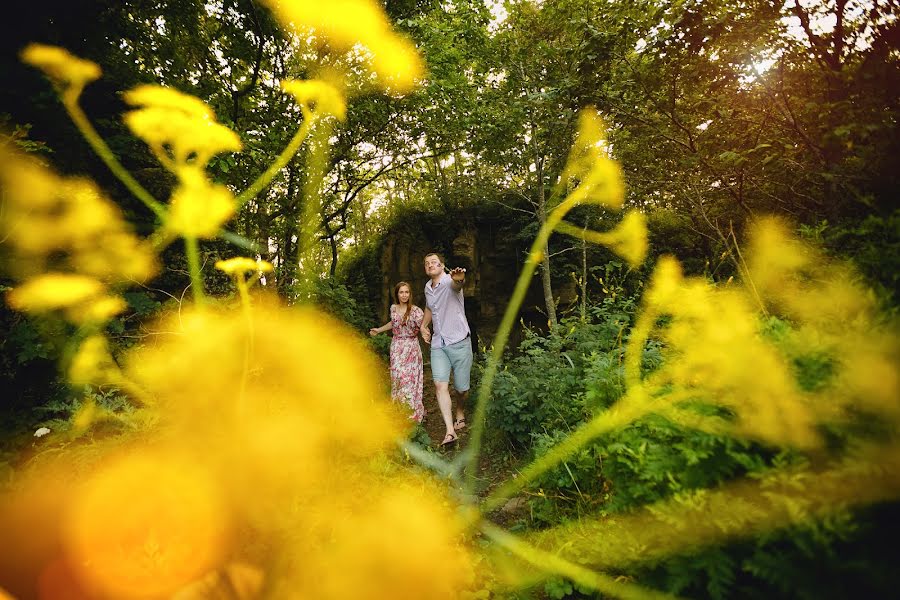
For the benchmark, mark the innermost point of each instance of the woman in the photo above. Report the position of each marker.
(406, 355)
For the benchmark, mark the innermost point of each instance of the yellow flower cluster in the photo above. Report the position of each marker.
(346, 23)
(198, 208)
(326, 98)
(715, 355)
(68, 72)
(61, 223)
(184, 135)
(69, 242)
(833, 314)
(181, 129)
(598, 179)
(293, 442)
(84, 300)
(93, 363)
(240, 266)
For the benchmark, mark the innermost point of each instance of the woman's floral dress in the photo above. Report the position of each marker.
(406, 361)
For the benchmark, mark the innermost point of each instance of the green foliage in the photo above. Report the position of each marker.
(554, 384)
(28, 340)
(111, 404)
(873, 244)
(335, 299)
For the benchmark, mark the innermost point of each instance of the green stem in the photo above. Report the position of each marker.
(192, 250)
(553, 563)
(309, 119)
(106, 155)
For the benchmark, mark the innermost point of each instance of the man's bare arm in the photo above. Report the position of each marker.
(426, 321)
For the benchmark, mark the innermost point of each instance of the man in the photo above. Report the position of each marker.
(451, 341)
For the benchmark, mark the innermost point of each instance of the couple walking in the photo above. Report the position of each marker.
(451, 344)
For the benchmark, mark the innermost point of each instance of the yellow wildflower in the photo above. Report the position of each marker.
(164, 98)
(240, 265)
(326, 98)
(628, 239)
(598, 177)
(53, 291)
(96, 311)
(398, 564)
(92, 363)
(66, 70)
(205, 363)
(869, 377)
(55, 222)
(179, 128)
(346, 23)
(801, 283)
(199, 208)
(27, 183)
(396, 62)
(145, 525)
(664, 283)
(115, 256)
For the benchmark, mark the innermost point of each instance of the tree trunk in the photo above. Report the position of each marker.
(545, 251)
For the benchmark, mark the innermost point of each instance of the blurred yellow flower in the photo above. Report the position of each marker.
(181, 129)
(92, 363)
(56, 223)
(275, 427)
(628, 239)
(800, 282)
(97, 311)
(201, 368)
(392, 541)
(66, 70)
(665, 283)
(199, 208)
(326, 98)
(145, 525)
(164, 98)
(241, 265)
(346, 23)
(52, 291)
(597, 176)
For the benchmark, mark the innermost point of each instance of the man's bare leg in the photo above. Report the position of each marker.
(462, 400)
(442, 391)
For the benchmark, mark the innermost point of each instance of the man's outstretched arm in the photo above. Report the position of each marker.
(458, 275)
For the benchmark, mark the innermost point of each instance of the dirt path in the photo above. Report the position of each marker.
(492, 470)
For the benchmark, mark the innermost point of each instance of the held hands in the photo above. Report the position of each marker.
(374, 331)
(426, 334)
(458, 274)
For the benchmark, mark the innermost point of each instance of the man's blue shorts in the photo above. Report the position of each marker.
(457, 356)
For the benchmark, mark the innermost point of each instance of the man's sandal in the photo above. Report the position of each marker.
(450, 438)
(459, 424)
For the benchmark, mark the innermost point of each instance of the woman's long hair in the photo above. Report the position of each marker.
(409, 303)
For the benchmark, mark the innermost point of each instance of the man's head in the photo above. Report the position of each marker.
(434, 264)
